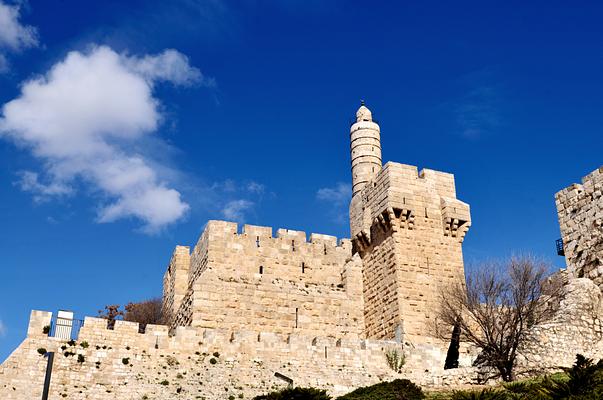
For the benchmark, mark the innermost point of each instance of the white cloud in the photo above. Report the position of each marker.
(29, 182)
(340, 194)
(338, 197)
(235, 210)
(13, 35)
(84, 119)
(256, 188)
(170, 65)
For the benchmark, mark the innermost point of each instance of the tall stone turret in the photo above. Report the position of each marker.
(407, 227)
(365, 148)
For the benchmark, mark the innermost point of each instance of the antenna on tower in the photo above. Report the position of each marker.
(361, 102)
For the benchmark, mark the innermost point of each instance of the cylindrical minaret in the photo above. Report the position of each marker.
(365, 148)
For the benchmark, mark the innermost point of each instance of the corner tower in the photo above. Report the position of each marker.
(365, 148)
(408, 228)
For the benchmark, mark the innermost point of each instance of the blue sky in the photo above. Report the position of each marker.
(125, 126)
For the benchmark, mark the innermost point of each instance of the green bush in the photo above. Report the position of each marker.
(399, 389)
(296, 394)
(395, 359)
(42, 351)
(485, 394)
(84, 345)
(81, 358)
(585, 381)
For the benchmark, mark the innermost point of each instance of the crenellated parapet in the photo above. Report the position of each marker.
(400, 197)
(124, 362)
(282, 280)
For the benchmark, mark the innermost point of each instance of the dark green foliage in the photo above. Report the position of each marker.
(296, 394)
(583, 381)
(213, 361)
(399, 389)
(486, 394)
(46, 329)
(452, 356)
(125, 360)
(81, 358)
(84, 345)
(42, 350)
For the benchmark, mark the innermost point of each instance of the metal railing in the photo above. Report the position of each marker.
(559, 246)
(65, 328)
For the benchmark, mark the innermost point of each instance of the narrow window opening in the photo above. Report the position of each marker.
(303, 268)
(426, 212)
(257, 241)
(325, 351)
(293, 245)
(261, 269)
(296, 317)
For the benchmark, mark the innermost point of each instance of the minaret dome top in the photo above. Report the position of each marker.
(363, 113)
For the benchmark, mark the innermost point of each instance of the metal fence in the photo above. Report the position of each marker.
(559, 246)
(65, 328)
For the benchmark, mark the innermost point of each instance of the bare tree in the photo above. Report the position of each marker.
(497, 307)
(144, 312)
(111, 313)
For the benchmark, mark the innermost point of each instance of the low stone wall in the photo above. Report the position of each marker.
(203, 363)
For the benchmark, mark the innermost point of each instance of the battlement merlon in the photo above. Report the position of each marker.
(223, 229)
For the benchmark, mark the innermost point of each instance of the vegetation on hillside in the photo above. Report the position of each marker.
(583, 381)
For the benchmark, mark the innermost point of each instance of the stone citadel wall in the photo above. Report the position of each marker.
(254, 280)
(580, 212)
(408, 228)
(209, 364)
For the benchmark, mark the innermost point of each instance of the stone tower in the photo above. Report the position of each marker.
(580, 212)
(408, 228)
(365, 147)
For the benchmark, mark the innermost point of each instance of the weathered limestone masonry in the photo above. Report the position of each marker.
(580, 211)
(198, 363)
(175, 282)
(576, 329)
(577, 326)
(408, 228)
(322, 312)
(281, 284)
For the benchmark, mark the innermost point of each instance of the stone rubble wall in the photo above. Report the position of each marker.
(575, 329)
(580, 212)
(206, 364)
